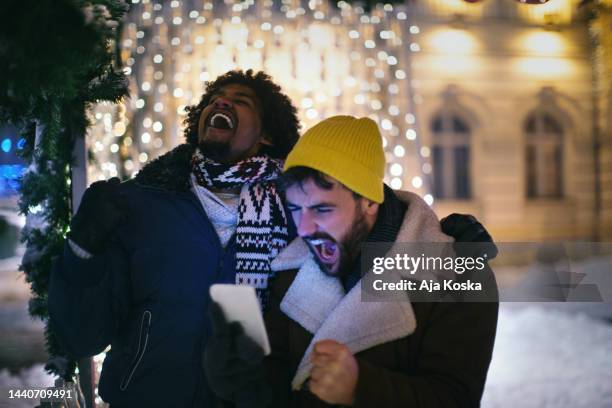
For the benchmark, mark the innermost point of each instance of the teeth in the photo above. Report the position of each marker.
(224, 116)
(317, 241)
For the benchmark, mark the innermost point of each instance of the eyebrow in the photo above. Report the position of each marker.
(246, 95)
(315, 206)
(240, 94)
(253, 99)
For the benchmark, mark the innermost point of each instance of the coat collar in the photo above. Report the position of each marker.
(169, 172)
(344, 317)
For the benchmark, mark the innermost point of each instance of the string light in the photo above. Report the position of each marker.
(396, 169)
(396, 183)
(399, 151)
(346, 61)
(417, 182)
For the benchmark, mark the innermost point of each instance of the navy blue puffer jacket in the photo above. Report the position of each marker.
(147, 294)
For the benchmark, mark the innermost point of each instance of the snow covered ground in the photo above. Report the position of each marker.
(545, 356)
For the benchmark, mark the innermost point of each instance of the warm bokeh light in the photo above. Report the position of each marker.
(545, 43)
(328, 60)
(544, 68)
(452, 42)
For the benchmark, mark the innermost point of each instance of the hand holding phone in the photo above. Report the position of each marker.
(233, 358)
(239, 304)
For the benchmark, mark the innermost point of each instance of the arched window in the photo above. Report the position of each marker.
(451, 157)
(543, 156)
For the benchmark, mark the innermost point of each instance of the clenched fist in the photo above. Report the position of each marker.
(334, 374)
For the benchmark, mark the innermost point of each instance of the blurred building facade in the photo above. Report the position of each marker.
(513, 99)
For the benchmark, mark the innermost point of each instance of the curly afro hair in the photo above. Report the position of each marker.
(279, 116)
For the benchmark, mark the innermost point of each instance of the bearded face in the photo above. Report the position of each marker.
(229, 128)
(333, 222)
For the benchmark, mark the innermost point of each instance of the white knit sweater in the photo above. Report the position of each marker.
(221, 208)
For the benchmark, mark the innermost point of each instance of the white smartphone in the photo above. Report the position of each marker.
(239, 304)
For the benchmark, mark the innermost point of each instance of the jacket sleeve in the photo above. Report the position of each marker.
(88, 299)
(451, 366)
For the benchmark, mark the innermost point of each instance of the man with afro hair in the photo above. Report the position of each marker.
(141, 255)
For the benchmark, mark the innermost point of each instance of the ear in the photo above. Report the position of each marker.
(369, 207)
(266, 140)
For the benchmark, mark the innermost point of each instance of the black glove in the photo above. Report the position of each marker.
(233, 364)
(465, 229)
(103, 209)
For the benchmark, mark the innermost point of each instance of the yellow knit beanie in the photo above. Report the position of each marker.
(346, 148)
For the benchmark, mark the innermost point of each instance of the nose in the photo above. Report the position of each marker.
(222, 102)
(306, 225)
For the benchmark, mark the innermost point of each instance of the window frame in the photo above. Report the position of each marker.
(453, 134)
(544, 141)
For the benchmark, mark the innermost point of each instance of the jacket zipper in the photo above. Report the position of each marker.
(143, 339)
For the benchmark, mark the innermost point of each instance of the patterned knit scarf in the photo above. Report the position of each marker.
(262, 223)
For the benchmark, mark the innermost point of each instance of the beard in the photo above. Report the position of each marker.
(349, 247)
(217, 151)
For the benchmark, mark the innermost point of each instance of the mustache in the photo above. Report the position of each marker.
(318, 235)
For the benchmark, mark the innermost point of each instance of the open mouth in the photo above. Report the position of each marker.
(221, 120)
(326, 250)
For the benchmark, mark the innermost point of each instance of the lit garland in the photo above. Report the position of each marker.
(329, 60)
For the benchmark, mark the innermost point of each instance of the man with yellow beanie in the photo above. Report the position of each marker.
(329, 347)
